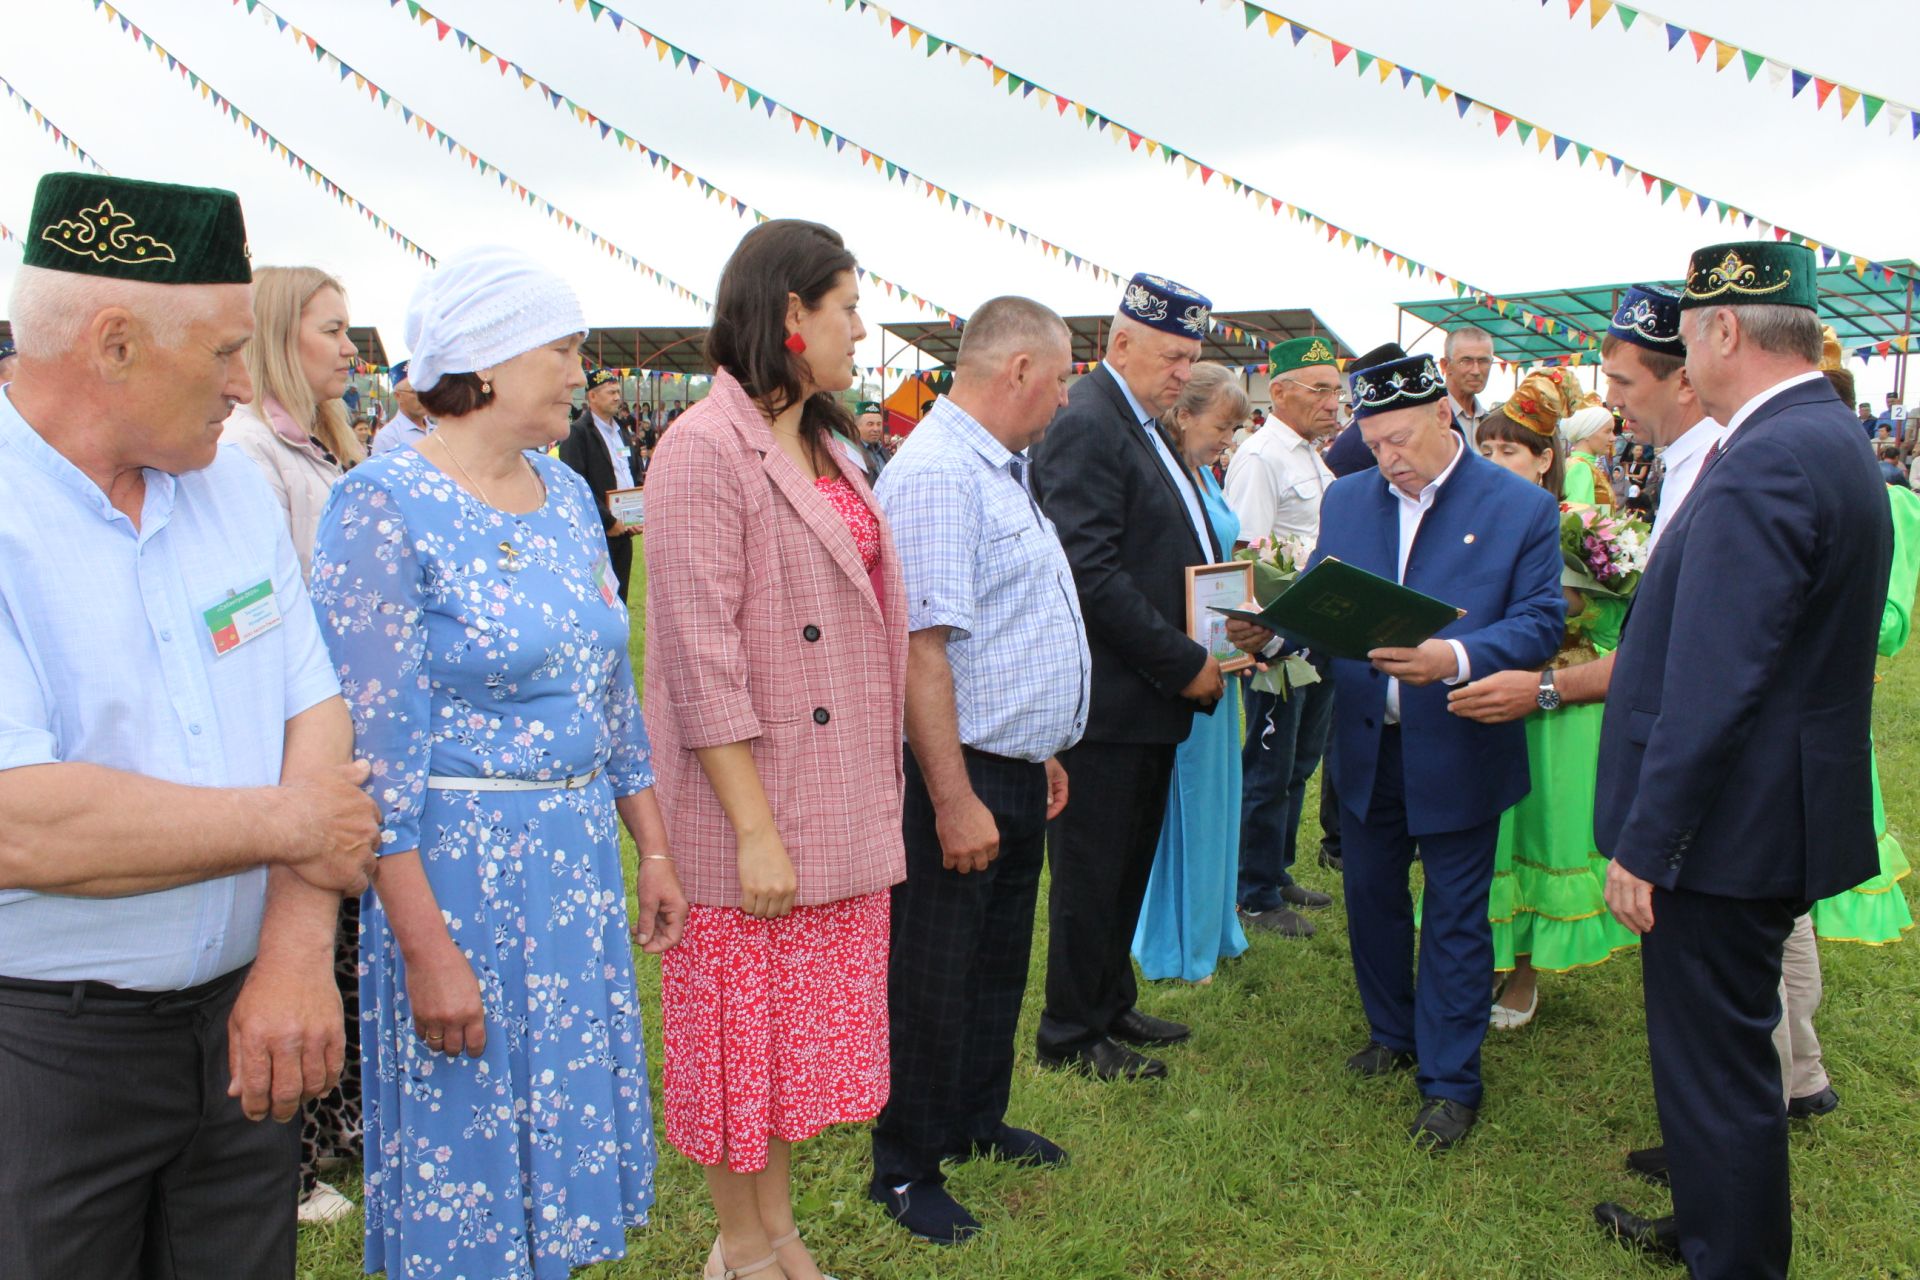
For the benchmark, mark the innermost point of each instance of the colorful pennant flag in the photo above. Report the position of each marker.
(60, 136)
(441, 140)
(226, 107)
(627, 141)
(1725, 53)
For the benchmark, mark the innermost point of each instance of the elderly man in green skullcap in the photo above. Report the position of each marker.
(179, 813)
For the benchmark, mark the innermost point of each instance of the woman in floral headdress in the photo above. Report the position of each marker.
(1547, 903)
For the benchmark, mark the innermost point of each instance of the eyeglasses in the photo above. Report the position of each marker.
(1472, 362)
(1321, 393)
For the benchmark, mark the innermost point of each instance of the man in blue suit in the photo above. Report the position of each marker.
(1735, 778)
(1444, 521)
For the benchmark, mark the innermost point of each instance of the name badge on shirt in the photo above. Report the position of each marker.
(608, 582)
(243, 616)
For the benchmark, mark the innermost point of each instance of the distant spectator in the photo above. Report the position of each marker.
(1866, 416)
(1466, 366)
(1889, 454)
(8, 361)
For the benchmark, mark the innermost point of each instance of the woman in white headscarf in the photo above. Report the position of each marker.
(464, 589)
(1588, 436)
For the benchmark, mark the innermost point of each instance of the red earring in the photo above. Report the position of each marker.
(796, 343)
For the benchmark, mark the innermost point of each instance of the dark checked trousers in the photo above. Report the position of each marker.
(957, 972)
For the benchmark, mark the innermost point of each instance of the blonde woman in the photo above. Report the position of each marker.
(296, 431)
(296, 428)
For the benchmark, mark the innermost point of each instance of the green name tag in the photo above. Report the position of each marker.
(242, 616)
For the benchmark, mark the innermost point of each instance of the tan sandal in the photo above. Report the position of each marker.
(790, 1238)
(733, 1273)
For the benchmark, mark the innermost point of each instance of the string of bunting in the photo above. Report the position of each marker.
(657, 160)
(391, 104)
(48, 127)
(6, 233)
(1510, 124)
(1151, 148)
(1725, 52)
(242, 120)
(889, 170)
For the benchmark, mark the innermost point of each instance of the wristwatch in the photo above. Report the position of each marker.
(1549, 697)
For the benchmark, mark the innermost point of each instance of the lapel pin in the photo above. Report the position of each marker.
(1469, 538)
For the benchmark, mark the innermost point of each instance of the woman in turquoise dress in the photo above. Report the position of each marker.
(1876, 912)
(1547, 902)
(1188, 923)
(469, 605)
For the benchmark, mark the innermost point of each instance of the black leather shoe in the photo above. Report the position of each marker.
(1330, 858)
(1378, 1060)
(1650, 1163)
(1283, 920)
(1146, 1031)
(1015, 1146)
(1441, 1124)
(1656, 1236)
(1105, 1060)
(1814, 1104)
(926, 1209)
(1300, 896)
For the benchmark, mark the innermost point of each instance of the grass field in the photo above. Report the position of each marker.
(1260, 1157)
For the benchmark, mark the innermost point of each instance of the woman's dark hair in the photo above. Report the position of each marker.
(1842, 380)
(749, 332)
(455, 396)
(1498, 426)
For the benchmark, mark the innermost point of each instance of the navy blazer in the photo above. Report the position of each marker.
(1734, 756)
(1125, 530)
(1490, 544)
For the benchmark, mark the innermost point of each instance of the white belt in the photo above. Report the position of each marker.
(441, 783)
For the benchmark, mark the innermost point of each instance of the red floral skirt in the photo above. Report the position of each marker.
(773, 1028)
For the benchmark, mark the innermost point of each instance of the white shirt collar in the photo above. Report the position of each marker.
(1693, 440)
(1139, 411)
(606, 428)
(1746, 410)
(1425, 499)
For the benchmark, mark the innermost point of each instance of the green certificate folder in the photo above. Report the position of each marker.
(1344, 612)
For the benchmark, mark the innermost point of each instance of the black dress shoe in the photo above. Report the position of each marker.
(1814, 1104)
(1657, 1236)
(1015, 1146)
(1650, 1163)
(1105, 1060)
(1441, 1124)
(926, 1209)
(1144, 1030)
(1330, 858)
(1378, 1060)
(1283, 920)
(1300, 896)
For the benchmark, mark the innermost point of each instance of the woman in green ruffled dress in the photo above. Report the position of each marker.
(1547, 902)
(1876, 912)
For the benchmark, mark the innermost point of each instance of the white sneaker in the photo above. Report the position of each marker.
(323, 1205)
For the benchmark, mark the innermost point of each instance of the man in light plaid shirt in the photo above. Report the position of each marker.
(997, 682)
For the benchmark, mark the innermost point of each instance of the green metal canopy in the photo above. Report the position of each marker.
(1865, 309)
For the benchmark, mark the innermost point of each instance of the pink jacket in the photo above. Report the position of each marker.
(763, 626)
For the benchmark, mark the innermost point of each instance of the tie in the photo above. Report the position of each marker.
(1018, 466)
(1712, 454)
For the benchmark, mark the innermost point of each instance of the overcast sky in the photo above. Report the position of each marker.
(1379, 160)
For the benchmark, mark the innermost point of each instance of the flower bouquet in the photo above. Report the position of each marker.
(1276, 563)
(1602, 553)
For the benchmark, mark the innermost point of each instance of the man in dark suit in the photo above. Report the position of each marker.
(1130, 518)
(1735, 779)
(1436, 517)
(595, 448)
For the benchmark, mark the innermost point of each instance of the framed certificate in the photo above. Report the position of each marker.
(629, 506)
(1218, 586)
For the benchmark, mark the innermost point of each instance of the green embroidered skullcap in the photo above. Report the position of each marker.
(123, 229)
(1752, 272)
(1298, 353)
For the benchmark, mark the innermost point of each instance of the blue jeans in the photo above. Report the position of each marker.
(1285, 739)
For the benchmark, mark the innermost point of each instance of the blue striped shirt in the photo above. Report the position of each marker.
(982, 560)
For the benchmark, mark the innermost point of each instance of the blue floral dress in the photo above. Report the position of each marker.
(472, 642)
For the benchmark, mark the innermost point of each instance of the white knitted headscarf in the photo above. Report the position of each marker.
(1583, 423)
(482, 307)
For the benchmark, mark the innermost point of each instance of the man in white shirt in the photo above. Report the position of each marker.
(1274, 485)
(1466, 365)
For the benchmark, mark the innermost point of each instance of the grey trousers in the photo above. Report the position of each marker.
(1801, 1072)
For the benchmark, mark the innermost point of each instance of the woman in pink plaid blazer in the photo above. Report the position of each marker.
(775, 688)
